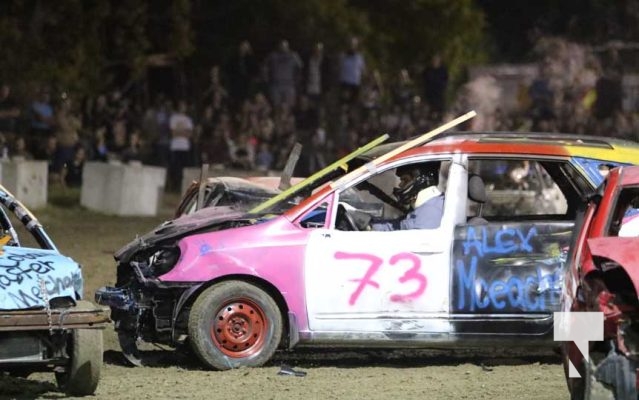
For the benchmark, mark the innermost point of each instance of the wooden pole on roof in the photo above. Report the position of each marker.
(287, 174)
(337, 164)
(203, 178)
(408, 145)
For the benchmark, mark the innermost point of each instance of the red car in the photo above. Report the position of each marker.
(603, 276)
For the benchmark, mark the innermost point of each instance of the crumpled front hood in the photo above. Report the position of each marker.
(180, 227)
(23, 271)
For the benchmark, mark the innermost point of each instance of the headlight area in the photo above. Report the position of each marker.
(157, 264)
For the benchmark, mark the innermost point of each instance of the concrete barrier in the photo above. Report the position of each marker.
(122, 189)
(27, 180)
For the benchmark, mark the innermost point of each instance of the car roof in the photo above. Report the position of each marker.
(629, 175)
(240, 183)
(533, 143)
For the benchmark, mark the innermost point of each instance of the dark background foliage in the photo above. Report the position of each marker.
(91, 46)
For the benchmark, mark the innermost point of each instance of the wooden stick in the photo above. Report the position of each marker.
(408, 145)
(200, 192)
(285, 178)
(319, 174)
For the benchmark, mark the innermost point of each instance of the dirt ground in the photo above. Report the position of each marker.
(92, 238)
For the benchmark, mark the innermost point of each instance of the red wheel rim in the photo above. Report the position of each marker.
(239, 328)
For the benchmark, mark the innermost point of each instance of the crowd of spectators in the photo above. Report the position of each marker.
(252, 112)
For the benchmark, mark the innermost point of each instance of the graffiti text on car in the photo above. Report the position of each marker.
(516, 291)
(505, 241)
(54, 286)
(486, 279)
(16, 268)
(410, 274)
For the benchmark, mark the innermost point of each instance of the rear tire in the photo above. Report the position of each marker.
(83, 371)
(234, 324)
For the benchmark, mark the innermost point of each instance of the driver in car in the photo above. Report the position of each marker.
(421, 196)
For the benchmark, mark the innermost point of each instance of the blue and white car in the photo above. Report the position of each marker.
(44, 323)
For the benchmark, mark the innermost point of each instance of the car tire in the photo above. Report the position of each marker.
(83, 371)
(234, 324)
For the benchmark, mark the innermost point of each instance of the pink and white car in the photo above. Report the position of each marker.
(238, 285)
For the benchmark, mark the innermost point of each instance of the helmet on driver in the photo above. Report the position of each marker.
(413, 179)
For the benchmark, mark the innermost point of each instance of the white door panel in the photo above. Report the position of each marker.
(370, 281)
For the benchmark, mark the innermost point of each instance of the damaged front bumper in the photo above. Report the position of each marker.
(116, 298)
(36, 339)
(126, 317)
(147, 309)
(58, 319)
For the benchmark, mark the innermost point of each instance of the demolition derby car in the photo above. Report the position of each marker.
(603, 276)
(303, 270)
(44, 324)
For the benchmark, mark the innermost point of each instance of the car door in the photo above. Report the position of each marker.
(396, 281)
(509, 270)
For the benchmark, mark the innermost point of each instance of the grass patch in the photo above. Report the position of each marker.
(62, 196)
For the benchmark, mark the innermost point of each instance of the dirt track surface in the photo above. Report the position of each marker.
(329, 375)
(91, 239)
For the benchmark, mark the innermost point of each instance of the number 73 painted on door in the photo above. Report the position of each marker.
(412, 274)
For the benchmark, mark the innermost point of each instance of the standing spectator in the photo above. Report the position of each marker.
(264, 157)
(162, 139)
(100, 113)
(435, 80)
(67, 133)
(241, 71)
(100, 150)
(180, 146)
(542, 97)
(72, 173)
(282, 74)
(242, 153)
(306, 124)
(9, 111)
(20, 151)
(403, 89)
(351, 69)
(42, 120)
(47, 153)
(216, 95)
(316, 74)
(372, 93)
(117, 140)
(133, 152)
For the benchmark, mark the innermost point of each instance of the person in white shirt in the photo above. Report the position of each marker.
(180, 146)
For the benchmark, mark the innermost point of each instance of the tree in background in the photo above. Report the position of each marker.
(91, 46)
(87, 46)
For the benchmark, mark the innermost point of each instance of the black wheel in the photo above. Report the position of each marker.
(234, 324)
(83, 371)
